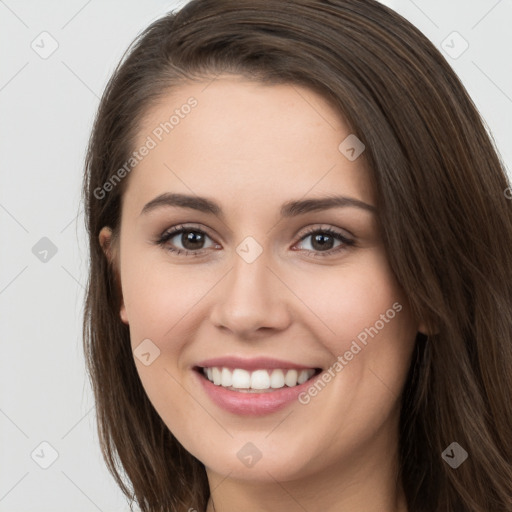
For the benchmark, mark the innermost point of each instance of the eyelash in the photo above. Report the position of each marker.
(176, 230)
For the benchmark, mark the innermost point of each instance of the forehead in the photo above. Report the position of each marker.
(244, 141)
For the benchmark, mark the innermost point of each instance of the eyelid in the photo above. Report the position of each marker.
(187, 226)
(325, 227)
(304, 232)
(345, 242)
(177, 229)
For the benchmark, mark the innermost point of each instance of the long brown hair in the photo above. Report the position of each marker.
(443, 211)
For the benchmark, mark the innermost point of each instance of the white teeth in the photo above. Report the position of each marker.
(225, 378)
(217, 379)
(290, 378)
(303, 377)
(277, 379)
(241, 378)
(258, 379)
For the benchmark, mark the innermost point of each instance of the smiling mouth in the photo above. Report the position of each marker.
(257, 381)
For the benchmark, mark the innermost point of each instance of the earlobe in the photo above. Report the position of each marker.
(423, 328)
(105, 240)
(123, 315)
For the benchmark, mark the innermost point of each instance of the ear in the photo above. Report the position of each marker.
(105, 239)
(427, 330)
(423, 328)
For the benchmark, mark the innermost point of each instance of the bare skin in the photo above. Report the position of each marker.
(250, 148)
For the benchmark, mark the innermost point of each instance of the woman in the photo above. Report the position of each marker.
(299, 293)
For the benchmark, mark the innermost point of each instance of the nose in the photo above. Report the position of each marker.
(251, 300)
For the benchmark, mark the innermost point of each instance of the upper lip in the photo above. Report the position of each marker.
(255, 363)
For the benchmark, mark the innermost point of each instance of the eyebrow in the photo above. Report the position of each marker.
(288, 209)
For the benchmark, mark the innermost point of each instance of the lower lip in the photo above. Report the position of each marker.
(252, 404)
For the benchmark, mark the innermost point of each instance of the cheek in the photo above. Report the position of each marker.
(158, 295)
(347, 299)
(362, 317)
(159, 299)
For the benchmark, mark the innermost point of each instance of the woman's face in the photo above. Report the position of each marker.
(259, 283)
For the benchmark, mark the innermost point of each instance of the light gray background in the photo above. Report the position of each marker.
(46, 110)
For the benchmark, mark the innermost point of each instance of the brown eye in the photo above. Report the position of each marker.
(321, 241)
(185, 240)
(192, 240)
(324, 241)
